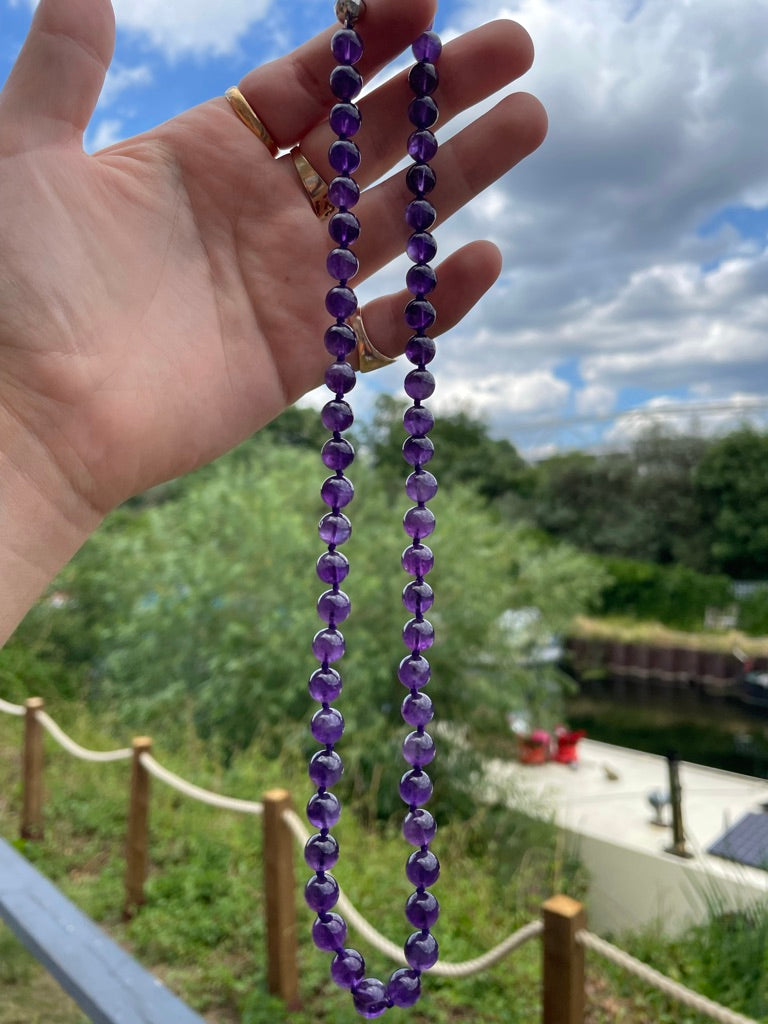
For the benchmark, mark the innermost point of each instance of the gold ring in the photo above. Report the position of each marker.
(245, 112)
(368, 355)
(314, 186)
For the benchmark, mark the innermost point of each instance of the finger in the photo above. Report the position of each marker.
(56, 81)
(465, 165)
(472, 67)
(292, 94)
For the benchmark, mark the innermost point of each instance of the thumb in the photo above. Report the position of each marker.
(52, 90)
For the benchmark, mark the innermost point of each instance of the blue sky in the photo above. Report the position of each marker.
(635, 281)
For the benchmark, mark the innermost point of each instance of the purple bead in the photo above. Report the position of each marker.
(346, 83)
(344, 157)
(323, 811)
(333, 606)
(404, 987)
(422, 112)
(419, 827)
(342, 264)
(421, 951)
(420, 215)
(340, 378)
(421, 279)
(333, 567)
(337, 491)
(325, 685)
(427, 47)
(329, 932)
(420, 349)
(418, 420)
(422, 868)
(419, 385)
(421, 247)
(321, 851)
(347, 46)
(417, 709)
(421, 486)
(340, 339)
(420, 179)
(334, 528)
(343, 192)
(344, 228)
(422, 910)
(370, 998)
(345, 119)
(414, 672)
(418, 596)
(338, 453)
(341, 302)
(325, 768)
(418, 748)
(415, 788)
(418, 559)
(418, 522)
(321, 893)
(418, 450)
(327, 726)
(423, 78)
(328, 645)
(347, 968)
(422, 145)
(419, 314)
(337, 415)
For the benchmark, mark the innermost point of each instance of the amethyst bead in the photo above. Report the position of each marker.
(420, 179)
(418, 450)
(422, 910)
(347, 46)
(414, 672)
(418, 596)
(421, 486)
(422, 868)
(418, 522)
(337, 453)
(419, 384)
(323, 811)
(325, 685)
(337, 415)
(342, 264)
(346, 83)
(345, 119)
(333, 606)
(427, 47)
(321, 893)
(423, 78)
(370, 998)
(419, 314)
(421, 950)
(347, 968)
(337, 491)
(418, 748)
(422, 112)
(420, 215)
(421, 247)
(341, 302)
(404, 987)
(417, 709)
(344, 156)
(340, 339)
(422, 145)
(332, 567)
(421, 279)
(329, 932)
(418, 559)
(327, 726)
(321, 852)
(341, 378)
(344, 228)
(419, 827)
(415, 788)
(418, 420)
(325, 768)
(343, 192)
(334, 528)
(420, 349)
(328, 645)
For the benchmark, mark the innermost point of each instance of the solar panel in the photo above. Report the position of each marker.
(746, 842)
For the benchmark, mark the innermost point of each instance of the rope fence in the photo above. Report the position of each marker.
(562, 927)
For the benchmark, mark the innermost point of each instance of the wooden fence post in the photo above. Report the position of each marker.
(280, 900)
(32, 771)
(137, 841)
(563, 961)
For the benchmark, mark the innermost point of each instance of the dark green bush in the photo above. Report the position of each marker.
(674, 595)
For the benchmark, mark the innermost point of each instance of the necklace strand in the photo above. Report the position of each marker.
(372, 997)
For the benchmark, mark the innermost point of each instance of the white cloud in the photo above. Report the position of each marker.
(120, 78)
(196, 26)
(105, 133)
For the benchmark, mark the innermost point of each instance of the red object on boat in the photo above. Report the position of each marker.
(534, 749)
(567, 743)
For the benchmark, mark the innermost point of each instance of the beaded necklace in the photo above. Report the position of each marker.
(372, 997)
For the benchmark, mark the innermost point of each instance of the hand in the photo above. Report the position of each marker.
(164, 298)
